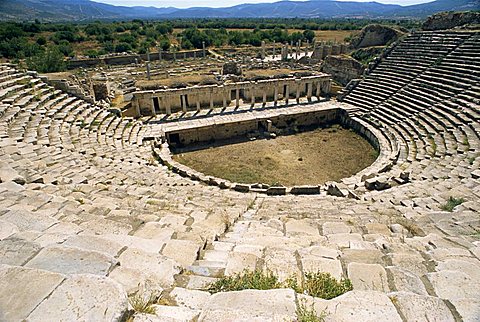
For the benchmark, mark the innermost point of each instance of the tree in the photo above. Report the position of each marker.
(309, 35)
(49, 61)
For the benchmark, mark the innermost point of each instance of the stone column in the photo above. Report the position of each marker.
(184, 55)
(309, 92)
(237, 98)
(252, 104)
(224, 96)
(211, 100)
(174, 56)
(152, 107)
(318, 90)
(291, 48)
(159, 53)
(184, 104)
(287, 94)
(274, 53)
(203, 49)
(194, 54)
(297, 96)
(198, 102)
(264, 98)
(148, 55)
(168, 108)
(275, 94)
(263, 50)
(148, 70)
(297, 52)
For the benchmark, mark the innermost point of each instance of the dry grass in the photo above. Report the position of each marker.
(306, 158)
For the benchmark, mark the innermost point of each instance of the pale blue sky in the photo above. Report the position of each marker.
(225, 3)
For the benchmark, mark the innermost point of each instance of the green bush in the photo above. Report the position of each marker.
(452, 203)
(49, 61)
(317, 284)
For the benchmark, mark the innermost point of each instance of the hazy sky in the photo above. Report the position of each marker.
(225, 3)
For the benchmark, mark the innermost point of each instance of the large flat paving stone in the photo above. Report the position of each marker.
(368, 277)
(72, 260)
(7, 229)
(17, 251)
(404, 280)
(193, 299)
(26, 220)
(164, 313)
(468, 308)
(251, 305)
(22, 289)
(421, 308)
(451, 285)
(158, 267)
(356, 306)
(184, 252)
(83, 298)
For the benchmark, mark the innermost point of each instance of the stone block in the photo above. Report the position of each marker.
(250, 305)
(421, 308)
(90, 298)
(23, 289)
(368, 277)
(192, 299)
(72, 260)
(184, 252)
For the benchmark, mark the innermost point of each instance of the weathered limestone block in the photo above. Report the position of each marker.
(356, 306)
(469, 268)
(468, 308)
(251, 305)
(158, 266)
(451, 285)
(90, 298)
(166, 313)
(94, 243)
(237, 262)
(343, 240)
(16, 251)
(7, 229)
(368, 277)
(26, 220)
(333, 227)
(72, 260)
(192, 299)
(404, 280)
(154, 230)
(301, 227)
(22, 289)
(421, 308)
(184, 252)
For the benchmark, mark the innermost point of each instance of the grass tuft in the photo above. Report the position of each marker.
(141, 304)
(317, 284)
(258, 280)
(308, 314)
(451, 203)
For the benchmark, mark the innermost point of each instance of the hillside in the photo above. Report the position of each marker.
(68, 10)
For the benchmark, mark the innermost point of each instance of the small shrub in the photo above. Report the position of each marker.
(141, 304)
(308, 314)
(452, 203)
(325, 286)
(258, 280)
(317, 284)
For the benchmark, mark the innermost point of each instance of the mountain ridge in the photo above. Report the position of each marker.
(78, 10)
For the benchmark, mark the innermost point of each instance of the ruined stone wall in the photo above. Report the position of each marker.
(235, 129)
(131, 59)
(342, 68)
(169, 101)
